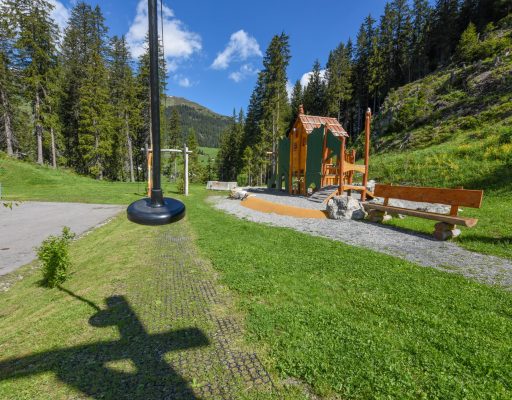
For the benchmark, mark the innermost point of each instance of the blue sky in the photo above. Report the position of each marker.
(214, 48)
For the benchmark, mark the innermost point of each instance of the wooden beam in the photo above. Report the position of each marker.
(452, 197)
(354, 167)
(449, 219)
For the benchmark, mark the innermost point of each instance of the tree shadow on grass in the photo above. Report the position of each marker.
(85, 367)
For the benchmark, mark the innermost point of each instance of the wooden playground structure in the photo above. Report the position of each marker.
(313, 160)
(313, 155)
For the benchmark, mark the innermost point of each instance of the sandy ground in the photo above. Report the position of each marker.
(25, 226)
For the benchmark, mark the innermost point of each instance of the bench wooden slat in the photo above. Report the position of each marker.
(452, 197)
(449, 219)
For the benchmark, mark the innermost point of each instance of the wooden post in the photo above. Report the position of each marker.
(290, 172)
(342, 166)
(150, 170)
(366, 152)
(324, 156)
(185, 158)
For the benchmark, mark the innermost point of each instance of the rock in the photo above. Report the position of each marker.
(445, 231)
(378, 216)
(345, 207)
(238, 194)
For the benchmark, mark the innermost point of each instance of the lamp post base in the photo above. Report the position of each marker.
(144, 212)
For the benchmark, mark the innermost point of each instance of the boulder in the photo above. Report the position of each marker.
(345, 207)
(238, 194)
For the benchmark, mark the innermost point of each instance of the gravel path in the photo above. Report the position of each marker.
(418, 248)
(25, 226)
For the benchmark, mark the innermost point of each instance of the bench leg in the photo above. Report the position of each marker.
(378, 216)
(445, 231)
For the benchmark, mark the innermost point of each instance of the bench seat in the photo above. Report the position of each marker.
(449, 219)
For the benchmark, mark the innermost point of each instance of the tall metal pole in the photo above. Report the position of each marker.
(155, 210)
(156, 191)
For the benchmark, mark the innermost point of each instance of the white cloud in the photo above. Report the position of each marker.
(305, 78)
(179, 42)
(184, 82)
(241, 46)
(60, 14)
(244, 71)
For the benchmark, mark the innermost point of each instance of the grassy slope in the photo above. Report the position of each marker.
(343, 319)
(454, 128)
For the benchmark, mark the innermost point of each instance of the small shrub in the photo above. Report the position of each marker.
(54, 257)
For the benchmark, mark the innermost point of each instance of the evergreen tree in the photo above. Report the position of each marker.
(122, 91)
(94, 117)
(467, 50)
(175, 140)
(37, 57)
(419, 60)
(361, 72)
(339, 88)
(276, 108)
(296, 100)
(195, 169)
(7, 79)
(445, 32)
(314, 93)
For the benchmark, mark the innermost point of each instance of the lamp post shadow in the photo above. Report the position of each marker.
(85, 367)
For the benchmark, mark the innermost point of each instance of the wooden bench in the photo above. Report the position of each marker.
(446, 227)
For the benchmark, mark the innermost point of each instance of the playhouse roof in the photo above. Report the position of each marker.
(311, 122)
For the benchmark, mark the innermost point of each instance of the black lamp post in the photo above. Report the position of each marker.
(157, 210)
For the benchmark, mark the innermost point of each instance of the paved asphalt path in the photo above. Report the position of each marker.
(25, 226)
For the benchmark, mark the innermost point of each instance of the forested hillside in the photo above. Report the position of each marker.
(453, 127)
(411, 40)
(207, 124)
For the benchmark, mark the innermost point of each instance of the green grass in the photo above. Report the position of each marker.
(359, 324)
(346, 321)
(460, 164)
(208, 152)
(69, 344)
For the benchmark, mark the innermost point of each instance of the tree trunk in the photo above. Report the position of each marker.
(130, 150)
(7, 123)
(54, 152)
(39, 130)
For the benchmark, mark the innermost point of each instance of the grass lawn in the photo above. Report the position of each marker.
(346, 321)
(360, 324)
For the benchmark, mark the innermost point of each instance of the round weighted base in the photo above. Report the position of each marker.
(144, 213)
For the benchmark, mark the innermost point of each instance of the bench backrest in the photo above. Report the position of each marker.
(452, 197)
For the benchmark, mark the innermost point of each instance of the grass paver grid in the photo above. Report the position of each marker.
(182, 293)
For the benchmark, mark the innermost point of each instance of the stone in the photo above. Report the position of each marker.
(444, 231)
(378, 216)
(345, 207)
(238, 194)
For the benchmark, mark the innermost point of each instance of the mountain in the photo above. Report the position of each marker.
(207, 124)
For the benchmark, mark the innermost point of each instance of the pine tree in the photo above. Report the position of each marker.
(122, 93)
(175, 140)
(361, 73)
(296, 100)
(339, 88)
(7, 79)
(421, 15)
(94, 117)
(195, 168)
(314, 93)
(37, 56)
(467, 50)
(445, 32)
(276, 108)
